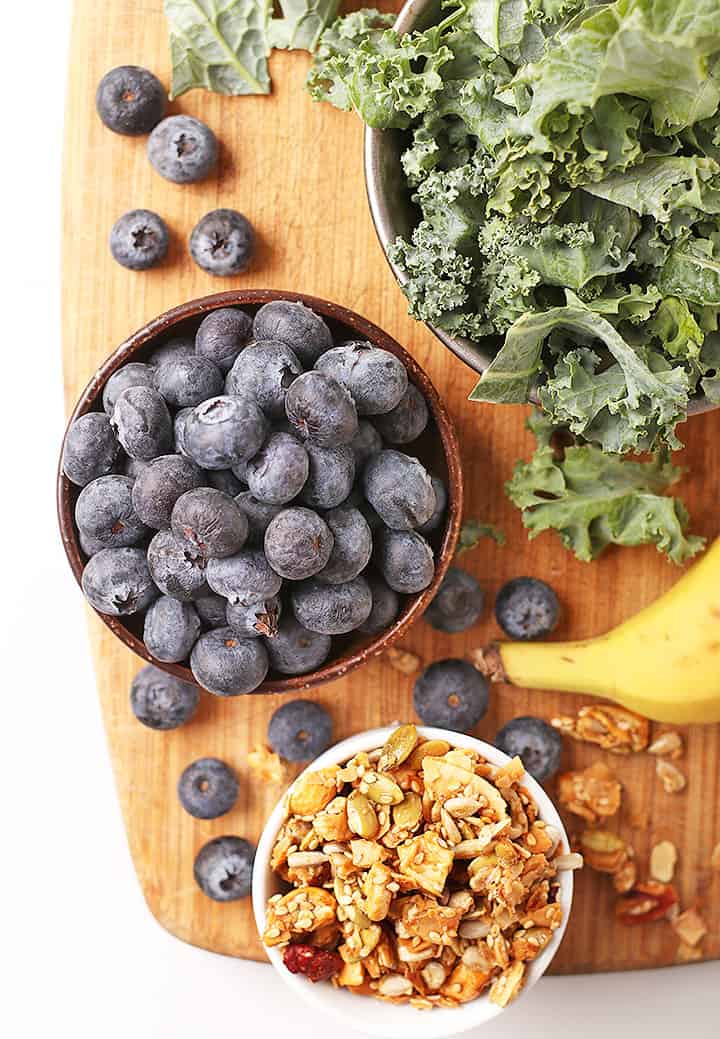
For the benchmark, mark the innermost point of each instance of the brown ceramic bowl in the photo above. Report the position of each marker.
(437, 448)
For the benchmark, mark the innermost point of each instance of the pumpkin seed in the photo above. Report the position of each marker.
(384, 791)
(408, 813)
(362, 819)
(398, 746)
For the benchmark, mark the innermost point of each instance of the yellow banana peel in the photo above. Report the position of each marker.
(663, 663)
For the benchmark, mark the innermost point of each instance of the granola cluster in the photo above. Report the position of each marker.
(422, 872)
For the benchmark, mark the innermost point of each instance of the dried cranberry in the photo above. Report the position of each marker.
(315, 964)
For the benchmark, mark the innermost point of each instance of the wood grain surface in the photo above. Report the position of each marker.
(294, 168)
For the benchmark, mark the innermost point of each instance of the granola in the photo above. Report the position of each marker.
(403, 660)
(613, 728)
(591, 794)
(423, 873)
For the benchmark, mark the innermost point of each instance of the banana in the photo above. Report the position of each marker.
(663, 663)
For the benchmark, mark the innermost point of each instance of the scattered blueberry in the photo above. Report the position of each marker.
(406, 421)
(182, 149)
(91, 448)
(298, 543)
(133, 374)
(175, 568)
(297, 326)
(352, 545)
(527, 608)
(222, 335)
(296, 650)
(142, 423)
(451, 694)
(160, 700)
(185, 382)
(332, 609)
(244, 578)
(440, 505)
(223, 868)
(536, 743)
(139, 240)
(321, 410)
(385, 606)
(104, 513)
(458, 603)
(117, 581)
(223, 242)
(210, 522)
(207, 788)
(172, 350)
(300, 730)
(156, 489)
(223, 431)
(399, 489)
(260, 618)
(375, 378)
(331, 472)
(278, 472)
(130, 100)
(264, 371)
(171, 629)
(366, 443)
(405, 560)
(227, 665)
(258, 513)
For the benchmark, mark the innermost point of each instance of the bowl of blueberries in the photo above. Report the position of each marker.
(258, 491)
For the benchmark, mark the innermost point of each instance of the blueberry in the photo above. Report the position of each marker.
(536, 743)
(458, 603)
(175, 568)
(330, 476)
(440, 506)
(227, 665)
(160, 700)
(139, 240)
(260, 618)
(142, 423)
(245, 578)
(132, 467)
(277, 473)
(385, 606)
(90, 545)
(179, 423)
(222, 335)
(209, 522)
(104, 513)
(211, 610)
(264, 371)
(332, 609)
(130, 100)
(172, 350)
(185, 382)
(406, 421)
(160, 484)
(366, 443)
(322, 411)
(399, 489)
(90, 450)
(297, 326)
(375, 378)
(182, 149)
(405, 560)
(207, 788)
(258, 513)
(300, 730)
(171, 629)
(223, 868)
(133, 374)
(223, 242)
(117, 581)
(298, 543)
(296, 650)
(225, 480)
(352, 545)
(223, 431)
(527, 608)
(451, 694)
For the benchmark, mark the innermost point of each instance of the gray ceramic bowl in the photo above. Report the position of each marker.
(394, 214)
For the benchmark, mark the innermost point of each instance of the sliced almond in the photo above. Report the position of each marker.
(689, 927)
(667, 745)
(672, 779)
(663, 858)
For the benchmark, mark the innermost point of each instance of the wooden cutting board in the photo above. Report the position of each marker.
(294, 168)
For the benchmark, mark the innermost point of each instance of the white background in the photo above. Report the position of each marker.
(83, 957)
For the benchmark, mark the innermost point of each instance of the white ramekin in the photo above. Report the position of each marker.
(374, 1016)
